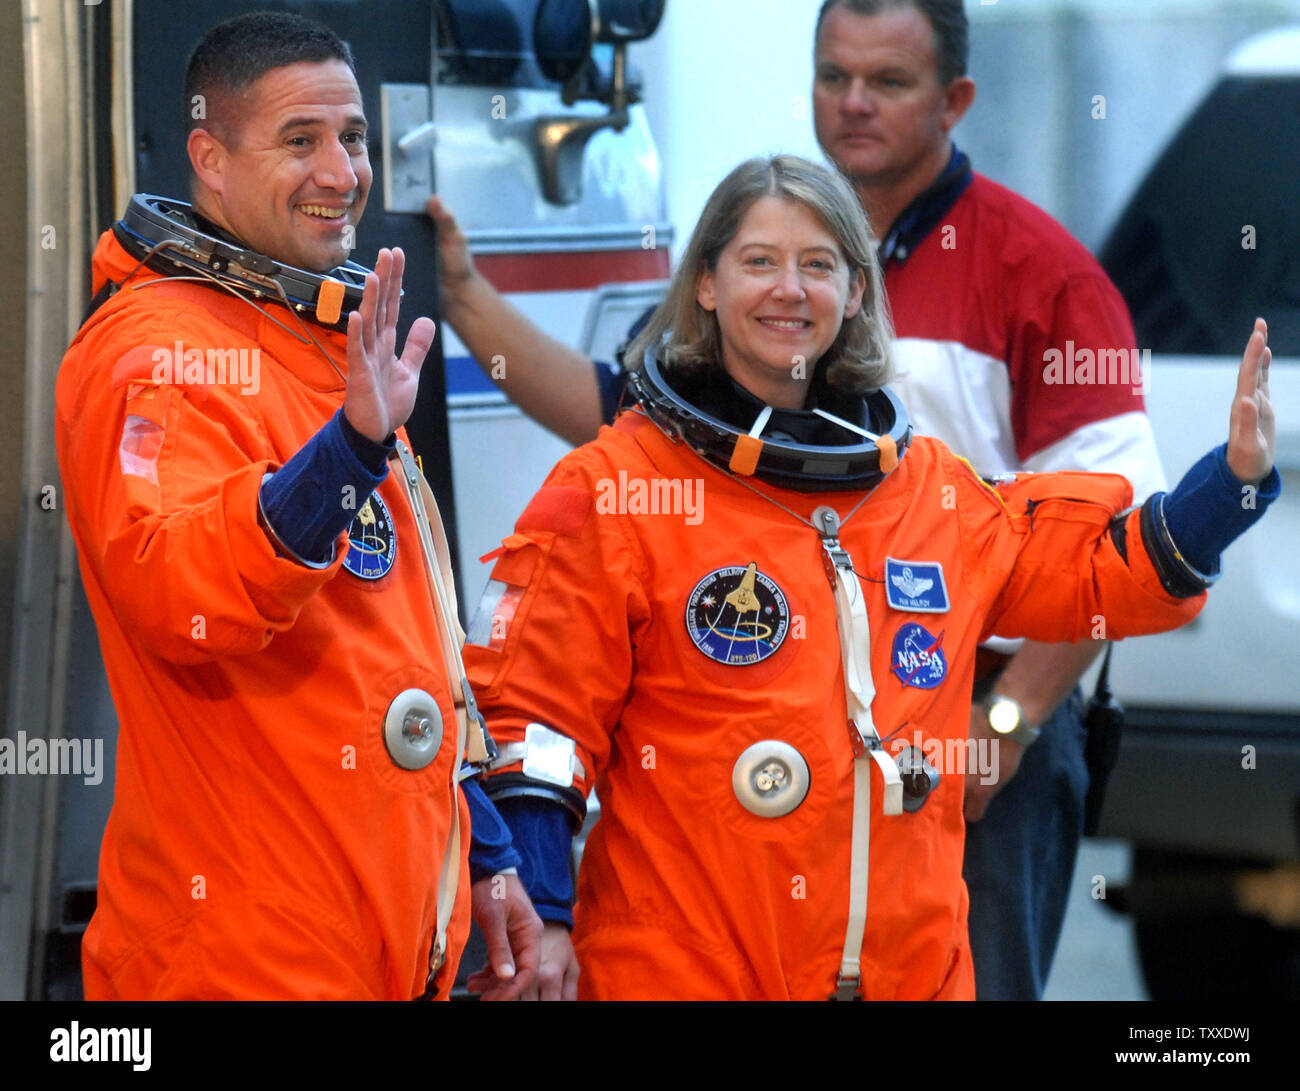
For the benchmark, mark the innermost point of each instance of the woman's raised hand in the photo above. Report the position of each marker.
(1251, 429)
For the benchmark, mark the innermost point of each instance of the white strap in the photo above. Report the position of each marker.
(510, 752)
(859, 685)
(437, 559)
(476, 750)
(850, 978)
(855, 651)
(448, 877)
(859, 692)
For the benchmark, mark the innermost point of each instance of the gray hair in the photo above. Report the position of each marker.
(859, 359)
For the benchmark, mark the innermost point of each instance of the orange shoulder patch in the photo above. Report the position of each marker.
(562, 509)
(148, 366)
(139, 365)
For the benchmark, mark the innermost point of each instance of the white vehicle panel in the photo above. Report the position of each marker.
(1242, 649)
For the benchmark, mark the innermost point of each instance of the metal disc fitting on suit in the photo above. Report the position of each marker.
(920, 777)
(413, 729)
(770, 778)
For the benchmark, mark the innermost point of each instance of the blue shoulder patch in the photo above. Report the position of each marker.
(916, 586)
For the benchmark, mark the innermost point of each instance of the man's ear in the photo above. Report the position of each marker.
(207, 158)
(957, 97)
(704, 293)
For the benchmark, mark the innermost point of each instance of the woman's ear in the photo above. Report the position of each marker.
(856, 290)
(704, 293)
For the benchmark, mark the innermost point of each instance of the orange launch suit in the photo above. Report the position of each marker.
(683, 893)
(262, 844)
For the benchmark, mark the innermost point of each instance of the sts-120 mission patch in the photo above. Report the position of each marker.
(372, 542)
(737, 615)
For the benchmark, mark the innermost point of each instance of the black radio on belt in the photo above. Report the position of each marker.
(1104, 720)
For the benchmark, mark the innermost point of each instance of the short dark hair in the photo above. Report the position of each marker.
(947, 18)
(234, 55)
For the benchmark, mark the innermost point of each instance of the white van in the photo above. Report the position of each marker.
(1208, 781)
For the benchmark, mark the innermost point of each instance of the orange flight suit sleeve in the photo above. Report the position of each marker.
(569, 570)
(1069, 580)
(169, 505)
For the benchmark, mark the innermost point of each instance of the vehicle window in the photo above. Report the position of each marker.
(1212, 237)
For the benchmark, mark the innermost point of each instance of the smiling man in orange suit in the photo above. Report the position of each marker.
(288, 817)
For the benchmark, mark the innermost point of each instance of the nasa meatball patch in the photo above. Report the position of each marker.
(916, 586)
(372, 542)
(917, 657)
(737, 615)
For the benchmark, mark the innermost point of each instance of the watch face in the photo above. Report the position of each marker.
(1004, 716)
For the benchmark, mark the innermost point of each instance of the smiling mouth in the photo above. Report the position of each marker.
(785, 323)
(321, 212)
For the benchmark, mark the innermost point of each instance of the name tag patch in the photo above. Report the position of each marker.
(916, 586)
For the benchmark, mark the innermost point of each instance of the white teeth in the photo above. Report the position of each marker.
(792, 324)
(321, 210)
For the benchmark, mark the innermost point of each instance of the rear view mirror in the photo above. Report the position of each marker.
(564, 31)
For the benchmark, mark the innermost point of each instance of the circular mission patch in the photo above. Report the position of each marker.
(372, 542)
(737, 615)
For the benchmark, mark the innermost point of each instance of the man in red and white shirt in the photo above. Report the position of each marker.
(994, 303)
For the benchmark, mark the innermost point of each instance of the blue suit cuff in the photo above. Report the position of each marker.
(544, 838)
(491, 849)
(313, 498)
(1210, 508)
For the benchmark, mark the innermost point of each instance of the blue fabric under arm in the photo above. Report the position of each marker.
(543, 835)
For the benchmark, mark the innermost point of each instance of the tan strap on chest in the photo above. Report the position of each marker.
(451, 637)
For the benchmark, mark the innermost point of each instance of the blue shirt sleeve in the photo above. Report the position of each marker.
(612, 381)
(612, 378)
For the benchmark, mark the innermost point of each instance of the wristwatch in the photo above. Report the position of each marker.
(1007, 719)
